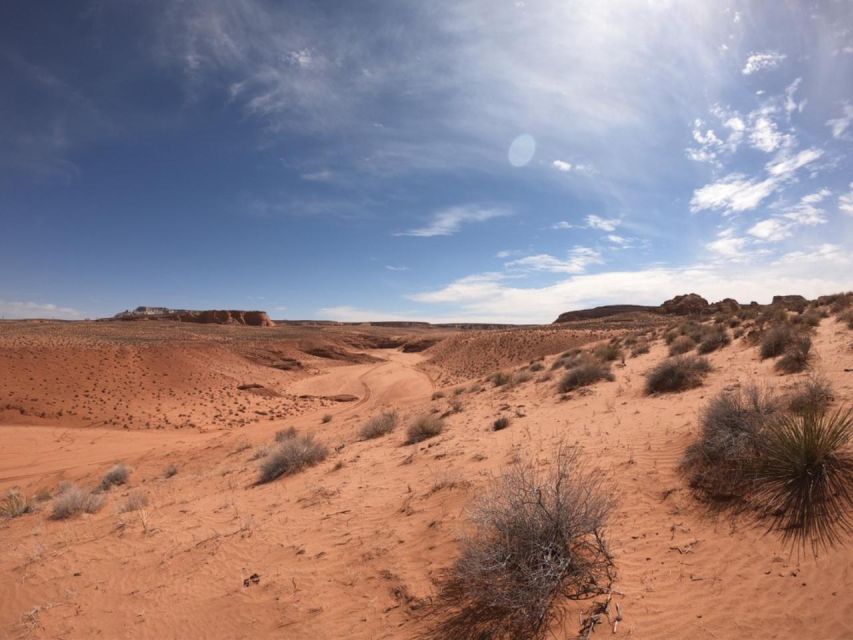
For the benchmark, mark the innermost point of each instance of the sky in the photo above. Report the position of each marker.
(468, 160)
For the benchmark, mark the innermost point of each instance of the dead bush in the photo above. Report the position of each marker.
(846, 318)
(640, 347)
(118, 475)
(15, 504)
(285, 434)
(500, 378)
(720, 461)
(714, 340)
(73, 500)
(291, 456)
(797, 356)
(776, 340)
(815, 394)
(501, 423)
(170, 471)
(521, 377)
(135, 501)
(584, 374)
(424, 427)
(608, 352)
(326, 418)
(536, 538)
(681, 344)
(379, 426)
(677, 374)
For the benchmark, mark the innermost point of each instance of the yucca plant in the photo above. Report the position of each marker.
(805, 477)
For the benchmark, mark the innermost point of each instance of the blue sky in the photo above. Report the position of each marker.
(466, 160)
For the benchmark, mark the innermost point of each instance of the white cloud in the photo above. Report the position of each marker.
(562, 224)
(792, 105)
(561, 165)
(448, 221)
(619, 240)
(728, 245)
(604, 224)
(785, 166)
(812, 272)
(770, 230)
(733, 193)
(840, 125)
(804, 213)
(764, 135)
(391, 267)
(760, 61)
(845, 201)
(579, 259)
(28, 309)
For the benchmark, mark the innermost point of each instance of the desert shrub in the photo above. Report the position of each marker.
(640, 347)
(500, 378)
(714, 340)
(537, 366)
(291, 456)
(73, 500)
(734, 321)
(501, 423)
(326, 418)
(118, 475)
(521, 376)
(693, 330)
(584, 374)
(846, 318)
(805, 478)
(285, 434)
(379, 426)
(456, 406)
(536, 538)
(424, 427)
(809, 318)
(607, 352)
(731, 425)
(681, 344)
(438, 395)
(15, 504)
(671, 334)
(135, 501)
(475, 388)
(776, 340)
(738, 333)
(458, 391)
(170, 471)
(677, 374)
(815, 395)
(796, 357)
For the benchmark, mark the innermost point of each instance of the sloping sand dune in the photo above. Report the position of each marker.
(350, 548)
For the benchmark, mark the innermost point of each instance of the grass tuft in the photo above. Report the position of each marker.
(379, 426)
(423, 428)
(291, 456)
(677, 374)
(585, 374)
(73, 500)
(116, 476)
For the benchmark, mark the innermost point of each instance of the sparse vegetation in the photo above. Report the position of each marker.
(327, 418)
(73, 500)
(677, 374)
(521, 376)
(118, 475)
(438, 395)
(15, 504)
(584, 374)
(796, 357)
(501, 423)
(423, 428)
(536, 538)
(813, 395)
(170, 471)
(500, 378)
(135, 501)
(805, 477)
(291, 456)
(285, 434)
(776, 340)
(640, 347)
(379, 426)
(608, 352)
(537, 366)
(713, 340)
(681, 344)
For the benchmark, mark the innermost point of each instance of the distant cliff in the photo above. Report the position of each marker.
(209, 316)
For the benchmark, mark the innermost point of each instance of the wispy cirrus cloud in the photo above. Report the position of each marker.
(449, 221)
(841, 124)
(578, 260)
(29, 309)
(761, 61)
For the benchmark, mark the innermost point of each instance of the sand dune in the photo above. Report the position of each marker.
(351, 547)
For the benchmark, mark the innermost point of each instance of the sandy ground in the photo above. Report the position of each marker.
(350, 547)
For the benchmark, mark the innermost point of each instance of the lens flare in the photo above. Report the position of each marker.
(522, 150)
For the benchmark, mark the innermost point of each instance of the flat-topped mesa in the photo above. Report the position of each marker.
(208, 316)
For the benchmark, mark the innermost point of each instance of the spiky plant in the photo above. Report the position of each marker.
(805, 477)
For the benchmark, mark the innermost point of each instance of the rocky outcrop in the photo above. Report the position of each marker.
(726, 305)
(602, 312)
(210, 316)
(791, 302)
(686, 305)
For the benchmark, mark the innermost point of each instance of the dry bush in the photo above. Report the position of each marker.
(291, 456)
(731, 425)
(424, 427)
(846, 318)
(809, 318)
(501, 423)
(170, 471)
(438, 395)
(537, 366)
(118, 475)
(500, 378)
(584, 374)
(640, 347)
(536, 538)
(73, 500)
(776, 340)
(379, 426)
(521, 376)
(815, 395)
(797, 356)
(677, 374)
(805, 478)
(682, 344)
(285, 434)
(326, 418)
(15, 504)
(135, 501)
(713, 340)
(671, 334)
(608, 352)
